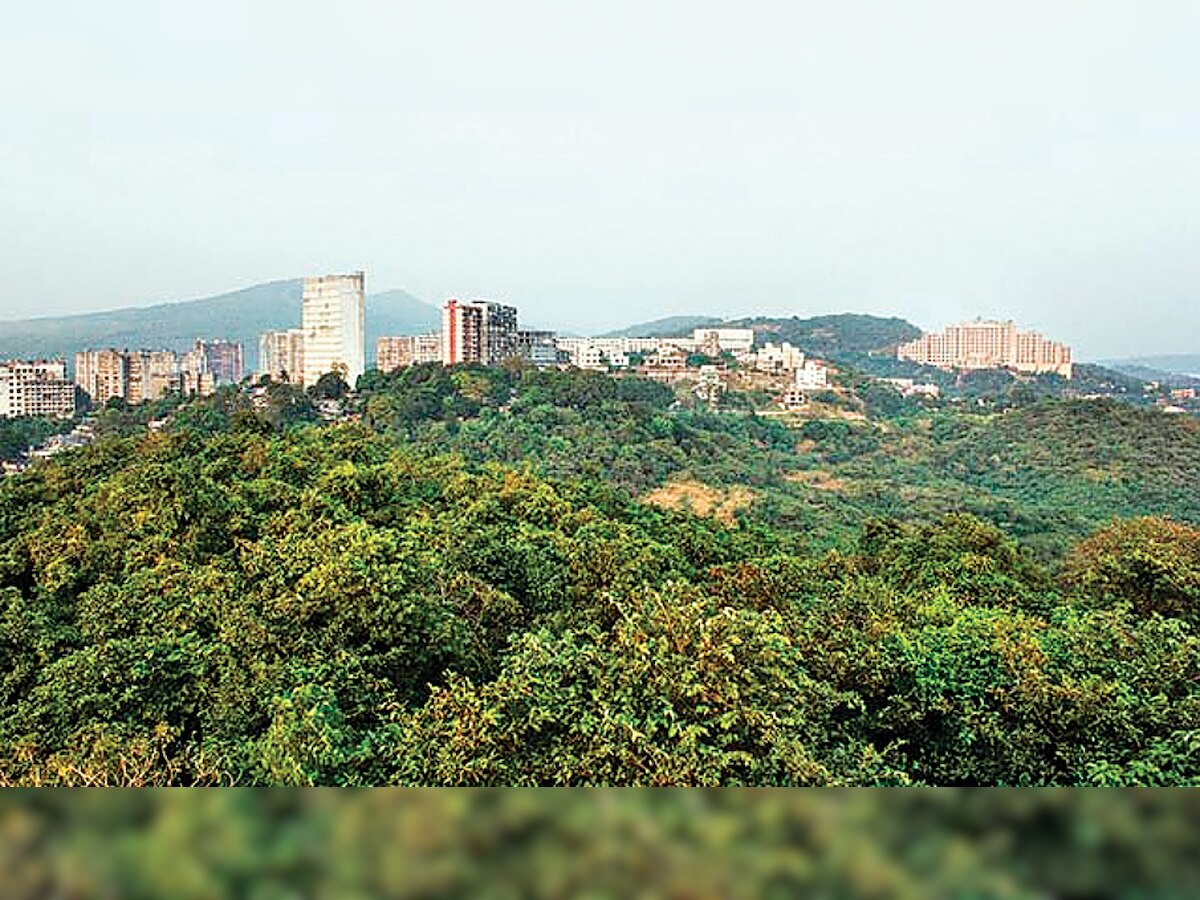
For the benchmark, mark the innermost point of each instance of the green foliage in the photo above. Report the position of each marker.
(19, 434)
(830, 336)
(463, 589)
(1153, 564)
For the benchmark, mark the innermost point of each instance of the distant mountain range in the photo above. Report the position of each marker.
(238, 316)
(1167, 367)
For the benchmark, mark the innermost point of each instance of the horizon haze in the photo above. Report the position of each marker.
(598, 167)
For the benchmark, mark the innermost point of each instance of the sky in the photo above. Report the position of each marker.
(606, 163)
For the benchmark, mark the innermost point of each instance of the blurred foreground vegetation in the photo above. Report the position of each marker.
(600, 844)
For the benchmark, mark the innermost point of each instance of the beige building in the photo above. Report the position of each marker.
(989, 345)
(714, 341)
(137, 376)
(102, 374)
(36, 388)
(152, 374)
(333, 326)
(776, 358)
(281, 355)
(393, 353)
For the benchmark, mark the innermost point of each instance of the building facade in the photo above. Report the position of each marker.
(151, 374)
(601, 354)
(102, 374)
(989, 345)
(715, 341)
(36, 388)
(281, 355)
(333, 326)
(223, 360)
(392, 353)
(137, 376)
(478, 331)
(776, 358)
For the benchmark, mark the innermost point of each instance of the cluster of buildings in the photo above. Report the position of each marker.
(473, 331)
(331, 336)
(44, 387)
(139, 375)
(989, 345)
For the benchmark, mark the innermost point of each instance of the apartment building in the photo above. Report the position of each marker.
(36, 388)
(602, 354)
(102, 374)
(776, 358)
(393, 353)
(281, 355)
(332, 321)
(983, 344)
(478, 331)
(223, 360)
(812, 375)
(152, 374)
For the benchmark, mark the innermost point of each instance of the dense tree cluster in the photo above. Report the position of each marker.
(246, 601)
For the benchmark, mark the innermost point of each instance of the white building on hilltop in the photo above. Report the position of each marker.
(777, 358)
(813, 375)
(333, 326)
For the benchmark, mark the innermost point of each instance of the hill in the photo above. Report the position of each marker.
(240, 315)
(235, 600)
(833, 335)
(1172, 370)
(671, 326)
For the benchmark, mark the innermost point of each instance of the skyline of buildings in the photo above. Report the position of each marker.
(989, 344)
(136, 376)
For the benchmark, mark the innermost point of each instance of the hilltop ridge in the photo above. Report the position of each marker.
(240, 315)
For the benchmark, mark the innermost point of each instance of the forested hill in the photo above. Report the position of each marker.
(828, 336)
(833, 335)
(670, 326)
(247, 598)
(239, 316)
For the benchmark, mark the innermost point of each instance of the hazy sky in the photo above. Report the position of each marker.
(602, 163)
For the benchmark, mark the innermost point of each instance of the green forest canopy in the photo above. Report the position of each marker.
(464, 589)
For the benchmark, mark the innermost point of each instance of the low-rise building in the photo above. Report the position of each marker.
(910, 388)
(601, 354)
(813, 375)
(776, 358)
(715, 341)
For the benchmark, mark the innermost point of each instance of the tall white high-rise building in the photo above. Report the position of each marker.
(332, 323)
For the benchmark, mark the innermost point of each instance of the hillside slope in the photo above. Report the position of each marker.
(670, 326)
(240, 315)
(831, 335)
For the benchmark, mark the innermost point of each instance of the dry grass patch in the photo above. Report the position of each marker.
(702, 499)
(817, 478)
